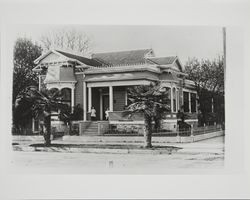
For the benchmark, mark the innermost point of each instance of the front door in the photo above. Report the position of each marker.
(105, 105)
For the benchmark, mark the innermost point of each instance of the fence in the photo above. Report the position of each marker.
(206, 129)
(134, 131)
(24, 131)
(129, 130)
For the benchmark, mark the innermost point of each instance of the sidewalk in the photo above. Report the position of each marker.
(213, 145)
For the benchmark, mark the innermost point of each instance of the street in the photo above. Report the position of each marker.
(207, 154)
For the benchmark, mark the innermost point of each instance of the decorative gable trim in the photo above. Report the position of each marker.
(40, 58)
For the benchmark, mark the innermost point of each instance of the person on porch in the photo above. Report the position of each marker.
(93, 114)
(107, 114)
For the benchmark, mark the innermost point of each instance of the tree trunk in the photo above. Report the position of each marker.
(47, 131)
(148, 132)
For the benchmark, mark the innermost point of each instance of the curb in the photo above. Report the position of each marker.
(95, 150)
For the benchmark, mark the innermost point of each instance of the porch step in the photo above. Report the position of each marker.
(90, 128)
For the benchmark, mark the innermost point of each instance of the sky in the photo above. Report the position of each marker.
(202, 42)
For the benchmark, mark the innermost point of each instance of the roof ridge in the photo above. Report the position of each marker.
(70, 52)
(147, 49)
(163, 56)
(123, 65)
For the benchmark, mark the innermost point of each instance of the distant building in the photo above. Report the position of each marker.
(102, 81)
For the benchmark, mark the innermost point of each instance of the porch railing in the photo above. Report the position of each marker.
(123, 116)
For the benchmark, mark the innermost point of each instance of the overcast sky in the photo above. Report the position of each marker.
(185, 41)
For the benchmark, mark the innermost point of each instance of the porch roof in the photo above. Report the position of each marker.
(121, 77)
(123, 68)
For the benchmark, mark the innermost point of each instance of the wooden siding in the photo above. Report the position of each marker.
(79, 90)
(119, 99)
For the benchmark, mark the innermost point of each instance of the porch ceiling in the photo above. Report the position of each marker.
(118, 83)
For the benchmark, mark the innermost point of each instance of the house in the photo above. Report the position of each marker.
(102, 81)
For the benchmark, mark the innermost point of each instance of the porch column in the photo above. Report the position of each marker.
(212, 104)
(33, 125)
(196, 109)
(111, 98)
(39, 82)
(126, 97)
(72, 99)
(176, 100)
(90, 98)
(172, 107)
(101, 107)
(189, 102)
(84, 102)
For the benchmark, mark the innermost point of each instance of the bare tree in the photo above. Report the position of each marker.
(67, 39)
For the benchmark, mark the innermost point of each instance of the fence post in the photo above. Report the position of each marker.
(204, 128)
(192, 132)
(178, 137)
(177, 130)
(80, 128)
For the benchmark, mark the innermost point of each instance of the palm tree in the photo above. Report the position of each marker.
(42, 104)
(151, 100)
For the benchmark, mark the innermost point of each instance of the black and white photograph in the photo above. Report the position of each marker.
(124, 100)
(105, 96)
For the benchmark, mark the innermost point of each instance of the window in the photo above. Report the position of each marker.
(178, 99)
(174, 100)
(168, 97)
(66, 96)
(193, 102)
(186, 101)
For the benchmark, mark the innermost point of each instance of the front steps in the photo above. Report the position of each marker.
(89, 128)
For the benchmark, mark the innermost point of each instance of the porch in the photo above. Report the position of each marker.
(113, 96)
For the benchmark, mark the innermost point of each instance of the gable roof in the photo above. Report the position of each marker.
(122, 57)
(163, 60)
(87, 61)
(167, 61)
(80, 59)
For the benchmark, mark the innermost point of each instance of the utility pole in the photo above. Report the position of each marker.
(224, 51)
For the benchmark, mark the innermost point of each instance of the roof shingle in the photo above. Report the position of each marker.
(122, 57)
